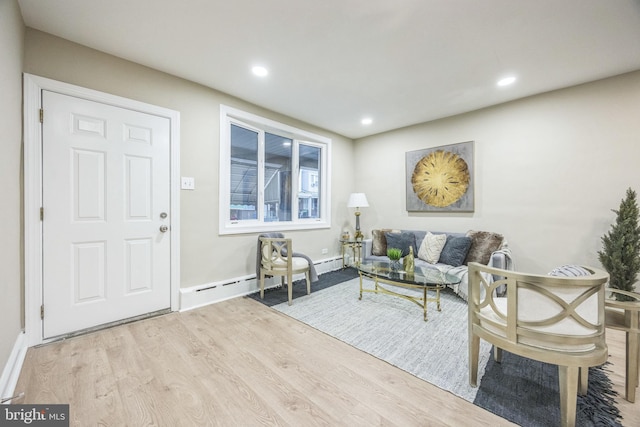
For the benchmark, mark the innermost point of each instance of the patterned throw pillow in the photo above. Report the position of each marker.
(431, 247)
(570, 270)
(402, 241)
(455, 251)
(483, 244)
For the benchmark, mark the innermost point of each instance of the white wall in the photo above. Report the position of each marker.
(12, 48)
(205, 256)
(548, 170)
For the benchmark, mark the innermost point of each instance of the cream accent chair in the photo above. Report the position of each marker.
(625, 316)
(556, 320)
(277, 260)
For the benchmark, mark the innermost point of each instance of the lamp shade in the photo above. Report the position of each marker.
(357, 200)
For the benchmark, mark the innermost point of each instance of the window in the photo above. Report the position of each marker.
(273, 177)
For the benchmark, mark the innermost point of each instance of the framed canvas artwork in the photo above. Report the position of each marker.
(440, 179)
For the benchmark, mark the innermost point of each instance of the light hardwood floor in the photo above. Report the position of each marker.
(240, 363)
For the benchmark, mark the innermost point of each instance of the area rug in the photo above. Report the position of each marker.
(392, 329)
(278, 295)
(532, 397)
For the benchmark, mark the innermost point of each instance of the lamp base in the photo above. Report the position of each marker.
(358, 235)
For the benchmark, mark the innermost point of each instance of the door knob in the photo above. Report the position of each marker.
(164, 228)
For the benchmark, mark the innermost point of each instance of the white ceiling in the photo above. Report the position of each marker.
(333, 62)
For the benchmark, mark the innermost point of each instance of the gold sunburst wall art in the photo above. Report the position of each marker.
(440, 179)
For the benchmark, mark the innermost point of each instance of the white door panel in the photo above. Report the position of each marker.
(106, 182)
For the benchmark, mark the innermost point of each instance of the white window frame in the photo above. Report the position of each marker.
(229, 115)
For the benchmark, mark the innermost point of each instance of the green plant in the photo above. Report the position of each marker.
(620, 254)
(394, 254)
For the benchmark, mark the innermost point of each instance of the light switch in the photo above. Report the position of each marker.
(188, 183)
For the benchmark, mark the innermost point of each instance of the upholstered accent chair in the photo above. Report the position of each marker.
(625, 316)
(277, 259)
(556, 320)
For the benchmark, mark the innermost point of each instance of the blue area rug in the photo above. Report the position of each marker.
(526, 392)
(520, 390)
(278, 295)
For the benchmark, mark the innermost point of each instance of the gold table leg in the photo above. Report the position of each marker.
(424, 300)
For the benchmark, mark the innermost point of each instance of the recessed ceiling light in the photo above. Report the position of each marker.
(260, 71)
(506, 81)
(367, 121)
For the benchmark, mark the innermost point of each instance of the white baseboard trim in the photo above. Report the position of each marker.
(12, 368)
(210, 293)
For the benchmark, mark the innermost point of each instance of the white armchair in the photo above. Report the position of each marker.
(277, 260)
(556, 320)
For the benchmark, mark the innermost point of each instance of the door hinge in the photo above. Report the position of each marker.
(41, 115)
(42, 311)
(41, 214)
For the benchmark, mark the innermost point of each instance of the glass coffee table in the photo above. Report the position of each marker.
(424, 279)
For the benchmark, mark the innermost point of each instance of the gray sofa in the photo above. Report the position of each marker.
(499, 257)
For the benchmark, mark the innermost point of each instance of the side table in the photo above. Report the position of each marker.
(625, 316)
(356, 249)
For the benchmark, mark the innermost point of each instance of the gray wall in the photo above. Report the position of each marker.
(11, 261)
(548, 170)
(205, 256)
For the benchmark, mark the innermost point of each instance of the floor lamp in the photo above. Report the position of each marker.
(358, 200)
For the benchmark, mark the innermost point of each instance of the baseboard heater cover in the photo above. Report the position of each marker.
(210, 293)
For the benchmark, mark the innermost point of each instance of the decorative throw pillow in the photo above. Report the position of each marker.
(483, 244)
(455, 251)
(431, 247)
(402, 241)
(570, 270)
(379, 242)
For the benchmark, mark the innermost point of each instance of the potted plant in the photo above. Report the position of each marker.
(394, 255)
(620, 254)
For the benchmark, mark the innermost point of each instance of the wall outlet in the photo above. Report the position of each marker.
(188, 183)
(325, 251)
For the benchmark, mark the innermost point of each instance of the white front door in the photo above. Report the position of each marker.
(106, 213)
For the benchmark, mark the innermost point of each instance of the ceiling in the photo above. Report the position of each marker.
(333, 62)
